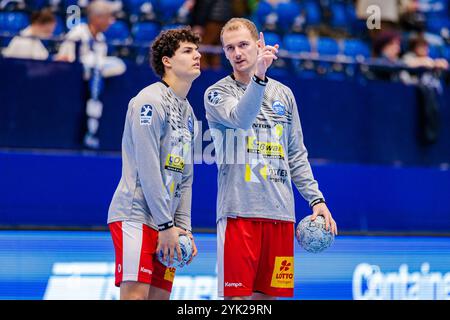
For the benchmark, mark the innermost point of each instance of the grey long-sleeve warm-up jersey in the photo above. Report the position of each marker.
(259, 149)
(157, 168)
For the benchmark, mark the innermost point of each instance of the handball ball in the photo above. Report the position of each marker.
(312, 236)
(186, 253)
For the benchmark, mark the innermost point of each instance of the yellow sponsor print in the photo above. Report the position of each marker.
(250, 176)
(279, 130)
(283, 273)
(172, 187)
(169, 275)
(174, 163)
(272, 150)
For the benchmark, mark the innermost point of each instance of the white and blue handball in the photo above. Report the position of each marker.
(312, 235)
(186, 253)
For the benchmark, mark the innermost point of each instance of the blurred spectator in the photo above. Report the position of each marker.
(418, 55)
(411, 18)
(387, 46)
(28, 44)
(208, 18)
(386, 49)
(185, 12)
(93, 48)
(428, 84)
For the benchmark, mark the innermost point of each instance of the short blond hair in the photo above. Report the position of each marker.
(237, 23)
(100, 7)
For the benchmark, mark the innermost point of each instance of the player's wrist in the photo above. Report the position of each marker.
(260, 79)
(165, 226)
(316, 201)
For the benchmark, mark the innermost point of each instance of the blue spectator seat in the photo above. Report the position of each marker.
(435, 51)
(271, 38)
(297, 43)
(313, 13)
(356, 48)
(13, 22)
(446, 52)
(263, 9)
(118, 31)
(145, 31)
(133, 7)
(339, 15)
(167, 10)
(60, 26)
(327, 46)
(436, 24)
(287, 12)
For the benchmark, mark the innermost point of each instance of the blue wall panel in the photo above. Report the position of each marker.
(75, 190)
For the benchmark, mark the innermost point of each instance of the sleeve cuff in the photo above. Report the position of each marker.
(260, 81)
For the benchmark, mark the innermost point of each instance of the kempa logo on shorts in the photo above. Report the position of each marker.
(272, 150)
(119, 268)
(233, 284)
(283, 273)
(174, 163)
(144, 270)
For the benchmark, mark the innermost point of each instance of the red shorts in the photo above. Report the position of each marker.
(135, 247)
(255, 255)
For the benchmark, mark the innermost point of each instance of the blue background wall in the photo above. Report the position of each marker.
(75, 190)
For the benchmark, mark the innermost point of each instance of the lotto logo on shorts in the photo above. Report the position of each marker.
(169, 275)
(283, 273)
(174, 163)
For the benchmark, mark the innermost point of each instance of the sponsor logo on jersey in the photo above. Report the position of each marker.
(278, 108)
(177, 193)
(214, 97)
(259, 173)
(279, 130)
(146, 115)
(255, 173)
(258, 125)
(174, 163)
(169, 275)
(283, 273)
(272, 150)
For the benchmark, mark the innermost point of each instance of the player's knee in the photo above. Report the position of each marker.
(134, 296)
(134, 291)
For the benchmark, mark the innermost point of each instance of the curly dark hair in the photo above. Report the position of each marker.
(166, 43)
